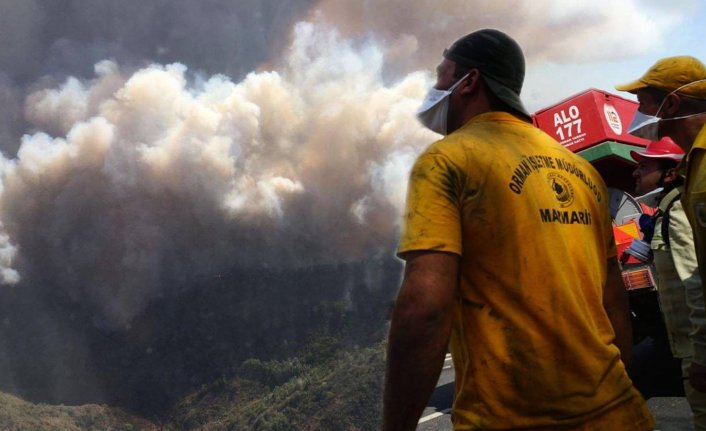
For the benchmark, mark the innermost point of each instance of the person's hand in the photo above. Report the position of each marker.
(697, 377)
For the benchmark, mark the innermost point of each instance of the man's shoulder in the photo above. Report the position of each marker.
(492, 128)
(700, 140)
(495, 120)
(579, 168)
(576, 159)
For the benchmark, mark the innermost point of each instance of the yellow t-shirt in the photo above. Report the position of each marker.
(532, 345)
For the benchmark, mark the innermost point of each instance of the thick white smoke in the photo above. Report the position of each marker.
(140, 181)
(133, 182)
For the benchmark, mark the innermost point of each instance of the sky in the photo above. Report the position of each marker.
(626, 41)
(146, 143)
(630, 41)
(570, 46)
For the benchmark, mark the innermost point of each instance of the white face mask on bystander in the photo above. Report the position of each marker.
(647, 126)
(434, 111)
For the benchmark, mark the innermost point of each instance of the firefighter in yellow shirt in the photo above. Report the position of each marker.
(510, 260)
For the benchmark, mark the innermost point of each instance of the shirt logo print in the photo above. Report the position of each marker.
(562, 188)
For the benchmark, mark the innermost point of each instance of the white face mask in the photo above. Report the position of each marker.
(647, 126)
(433, 112)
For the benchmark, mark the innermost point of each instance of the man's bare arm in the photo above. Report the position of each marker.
(615, 302)
(419, 335)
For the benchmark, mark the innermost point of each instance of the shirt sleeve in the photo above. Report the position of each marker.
(432, 217)
(603, 210)
(683, 252)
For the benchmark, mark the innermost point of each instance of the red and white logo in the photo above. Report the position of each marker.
(613, 119)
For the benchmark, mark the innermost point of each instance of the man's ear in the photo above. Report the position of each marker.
(670, 175)
(471, 82)
(670, 106)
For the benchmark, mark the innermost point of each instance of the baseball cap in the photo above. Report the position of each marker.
(665, 148)
(498, 58)
(670, 74)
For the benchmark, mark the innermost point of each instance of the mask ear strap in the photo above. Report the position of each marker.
(689, 84)
(675, 91)
(457, 83)
(663, 101)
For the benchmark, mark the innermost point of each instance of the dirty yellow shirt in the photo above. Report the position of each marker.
(694, 203)
(532, 345)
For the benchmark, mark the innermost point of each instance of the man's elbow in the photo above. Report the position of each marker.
(425, 301)
(413, 316)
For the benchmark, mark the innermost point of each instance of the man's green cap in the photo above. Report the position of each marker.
(499, 60)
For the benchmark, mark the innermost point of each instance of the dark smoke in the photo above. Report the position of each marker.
(185, 184)
(162, 223)
(46, 41)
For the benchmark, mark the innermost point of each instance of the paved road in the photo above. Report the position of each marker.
(671, 414)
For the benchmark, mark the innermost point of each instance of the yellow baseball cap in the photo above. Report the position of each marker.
(670, 74)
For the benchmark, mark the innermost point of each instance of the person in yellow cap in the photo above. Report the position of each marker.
(510, 263)
(672, 96)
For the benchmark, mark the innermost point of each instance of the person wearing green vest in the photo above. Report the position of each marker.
(678, 281)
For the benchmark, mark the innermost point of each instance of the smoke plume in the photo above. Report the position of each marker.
(150, 144)
(159, 176)
(130, 180)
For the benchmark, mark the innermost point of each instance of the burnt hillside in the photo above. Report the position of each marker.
(54, 352)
